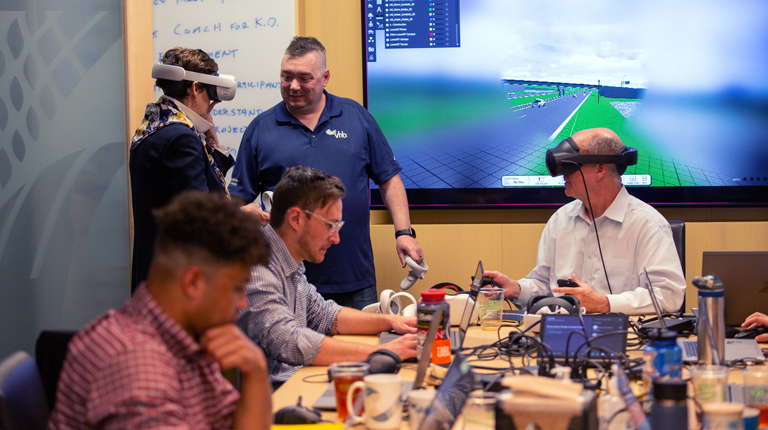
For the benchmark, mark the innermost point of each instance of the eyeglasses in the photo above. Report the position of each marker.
(333, 227)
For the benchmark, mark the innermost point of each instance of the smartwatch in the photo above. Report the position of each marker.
(408, 231)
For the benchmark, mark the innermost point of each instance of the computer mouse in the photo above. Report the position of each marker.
(750, 333)
(297, 415)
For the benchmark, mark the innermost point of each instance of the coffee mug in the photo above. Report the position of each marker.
(383, 407)
(418, 405)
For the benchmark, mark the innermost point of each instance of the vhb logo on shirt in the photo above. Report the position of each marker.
(338, 134)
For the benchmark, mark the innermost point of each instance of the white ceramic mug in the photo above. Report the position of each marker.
(418, 404)
(383, 407)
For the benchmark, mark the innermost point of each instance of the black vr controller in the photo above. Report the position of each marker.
(565, 158)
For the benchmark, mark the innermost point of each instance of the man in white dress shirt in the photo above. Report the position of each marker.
(632, 235)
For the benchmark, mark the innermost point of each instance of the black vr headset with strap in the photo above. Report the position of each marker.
(565, 158)
(218, 87)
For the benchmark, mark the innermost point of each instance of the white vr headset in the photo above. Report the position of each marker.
(390, 304)
(219, 87)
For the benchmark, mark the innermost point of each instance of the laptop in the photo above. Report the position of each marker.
(745, 350)
(607, 334)
(745, 281)
(451, 396)
(684, 324)
(327, 400)
(456, 335)
(736, 350)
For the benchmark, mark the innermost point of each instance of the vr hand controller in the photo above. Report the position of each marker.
(418, 270)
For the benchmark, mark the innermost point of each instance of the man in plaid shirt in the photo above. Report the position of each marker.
(286, 315)
(156, 362)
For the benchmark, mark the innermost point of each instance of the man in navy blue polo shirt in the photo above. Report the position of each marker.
(337, 135)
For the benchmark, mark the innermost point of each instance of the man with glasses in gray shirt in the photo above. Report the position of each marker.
(286, 316)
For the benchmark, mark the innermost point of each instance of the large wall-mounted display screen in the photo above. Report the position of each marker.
(471, 93)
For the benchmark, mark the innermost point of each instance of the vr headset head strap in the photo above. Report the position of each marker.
(565, 158)
(219, 87)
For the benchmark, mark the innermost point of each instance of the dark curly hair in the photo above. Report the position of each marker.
(198, 221)
(306, 188)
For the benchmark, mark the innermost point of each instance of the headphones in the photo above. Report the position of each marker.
(218, 87)
(567, 303)
(389, 303)
(565, 158)
(450, 286)
(383, 361)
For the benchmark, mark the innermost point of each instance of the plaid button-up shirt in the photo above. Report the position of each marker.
(137, 368)
(286, 316)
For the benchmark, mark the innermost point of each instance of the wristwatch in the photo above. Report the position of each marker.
(408, 231)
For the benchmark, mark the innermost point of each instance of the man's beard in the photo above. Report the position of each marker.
(307, 250)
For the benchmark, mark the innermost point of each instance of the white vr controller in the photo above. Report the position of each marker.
(389, 303)
(418, 270)
(266, 201)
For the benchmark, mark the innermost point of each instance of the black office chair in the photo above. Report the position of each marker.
(22, 398)
(50, 352)
(678, 235)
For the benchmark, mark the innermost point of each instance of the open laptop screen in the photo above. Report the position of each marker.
(477, 280)
(450, 396)
(556, 328)
(654, 299)
(745, 280)
(469, 306)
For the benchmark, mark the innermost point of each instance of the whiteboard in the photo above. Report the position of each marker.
(246, 38)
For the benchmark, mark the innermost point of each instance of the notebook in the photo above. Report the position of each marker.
(327, 400)
(745, 281)
(607, 334)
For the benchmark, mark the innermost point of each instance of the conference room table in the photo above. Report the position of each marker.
(311, 381)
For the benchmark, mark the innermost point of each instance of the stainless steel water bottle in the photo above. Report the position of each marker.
(711, 325)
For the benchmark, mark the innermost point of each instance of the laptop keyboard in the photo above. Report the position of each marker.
(691, 348)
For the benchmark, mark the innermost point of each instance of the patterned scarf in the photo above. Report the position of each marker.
(165, 112)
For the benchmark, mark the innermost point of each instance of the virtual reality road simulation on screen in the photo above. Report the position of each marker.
(471, 94)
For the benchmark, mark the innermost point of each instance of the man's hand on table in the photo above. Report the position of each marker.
(403, 325)
(757, 319)
(404, 346)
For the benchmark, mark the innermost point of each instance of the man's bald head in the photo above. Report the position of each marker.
(600, 141)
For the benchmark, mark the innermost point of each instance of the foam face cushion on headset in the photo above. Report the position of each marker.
(570, 303)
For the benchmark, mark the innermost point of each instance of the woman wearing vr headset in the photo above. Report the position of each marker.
(174, 147)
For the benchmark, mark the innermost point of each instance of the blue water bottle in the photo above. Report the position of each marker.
(661, 357)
